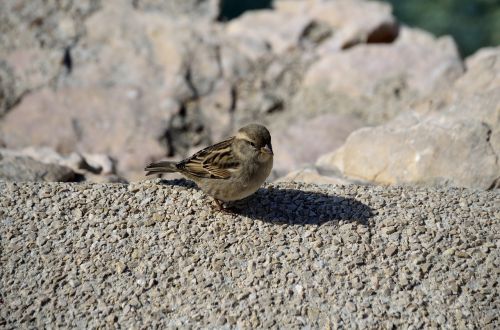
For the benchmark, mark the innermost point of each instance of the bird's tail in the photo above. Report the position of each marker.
(161, 167)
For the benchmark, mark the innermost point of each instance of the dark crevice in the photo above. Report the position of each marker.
(218, 59)
(186, 129)
(315, 33)
(67, 61)
(77, 128)
(495, 184)
(234, 99)
(231, 9)
(189, 82)
(384, 34)
(488, 135)
(232, 107)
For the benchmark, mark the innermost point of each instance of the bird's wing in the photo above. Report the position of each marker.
(215, 162)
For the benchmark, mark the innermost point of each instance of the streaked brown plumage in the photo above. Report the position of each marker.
(229, 170)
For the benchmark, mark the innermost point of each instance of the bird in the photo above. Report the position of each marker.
(230, 170)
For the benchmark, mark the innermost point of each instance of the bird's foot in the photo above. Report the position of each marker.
(221, 207)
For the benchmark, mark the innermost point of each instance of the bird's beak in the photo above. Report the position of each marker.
(268, 149)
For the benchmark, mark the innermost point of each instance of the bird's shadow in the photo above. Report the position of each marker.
(300, 207)
(295, 207)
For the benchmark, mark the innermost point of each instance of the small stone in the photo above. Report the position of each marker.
(390, 251)
(74, 283)
(351, 308)
(419, 260)
(299, 289)
(462, 254)
(120, 267)
(425, 267)
(149, 222)
(449, 252)
(389, 230)
(158, 217)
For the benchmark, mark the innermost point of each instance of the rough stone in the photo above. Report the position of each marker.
(70, 115)
(455, 142)
(303, 142)
(293, 255)
(17, 168)
(352, 22)
(356, 82)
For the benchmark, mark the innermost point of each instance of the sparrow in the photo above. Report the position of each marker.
(229, 170)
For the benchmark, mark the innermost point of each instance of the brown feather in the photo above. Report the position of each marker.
(212, 162)
(161, 167)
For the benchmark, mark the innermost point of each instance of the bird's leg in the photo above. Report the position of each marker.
(220, 206)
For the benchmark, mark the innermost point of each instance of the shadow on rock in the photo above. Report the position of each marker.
(180, 183)
(298, 207)
(293, 206)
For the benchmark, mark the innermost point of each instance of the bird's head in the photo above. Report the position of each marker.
(254, 141)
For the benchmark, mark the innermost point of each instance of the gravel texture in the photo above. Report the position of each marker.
(293, 256)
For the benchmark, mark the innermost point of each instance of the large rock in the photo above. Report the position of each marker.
(454, 140)
(132, 73)
(433, 151)
(35, 40)
(423, 62)
(143, 80)
(294, 24)
(352, 22)
(17, 168)
(124, 46)
(376, 81)
(312, 175)
(268, 30)
(92, 167)
(302, 142)
(114, 121)
(198, 9)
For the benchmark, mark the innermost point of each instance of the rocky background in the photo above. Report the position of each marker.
(94, 90)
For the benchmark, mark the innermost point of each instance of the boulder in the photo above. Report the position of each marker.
(433, 151)
(352, 22)
(114, 121)
(303, 141)
(376, 81)
(35, 42)
(455, 140)
(132, 73)
(17, 168)
(260, 31)
(83, 164)
(422, 63)
(197, 9)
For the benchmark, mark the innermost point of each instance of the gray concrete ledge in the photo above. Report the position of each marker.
(292, 256)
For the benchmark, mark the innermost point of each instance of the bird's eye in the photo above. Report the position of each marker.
(252, 144)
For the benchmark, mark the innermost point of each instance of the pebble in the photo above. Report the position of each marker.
(351, 308)
(120, 267)
(390, 251)
(292, 256)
